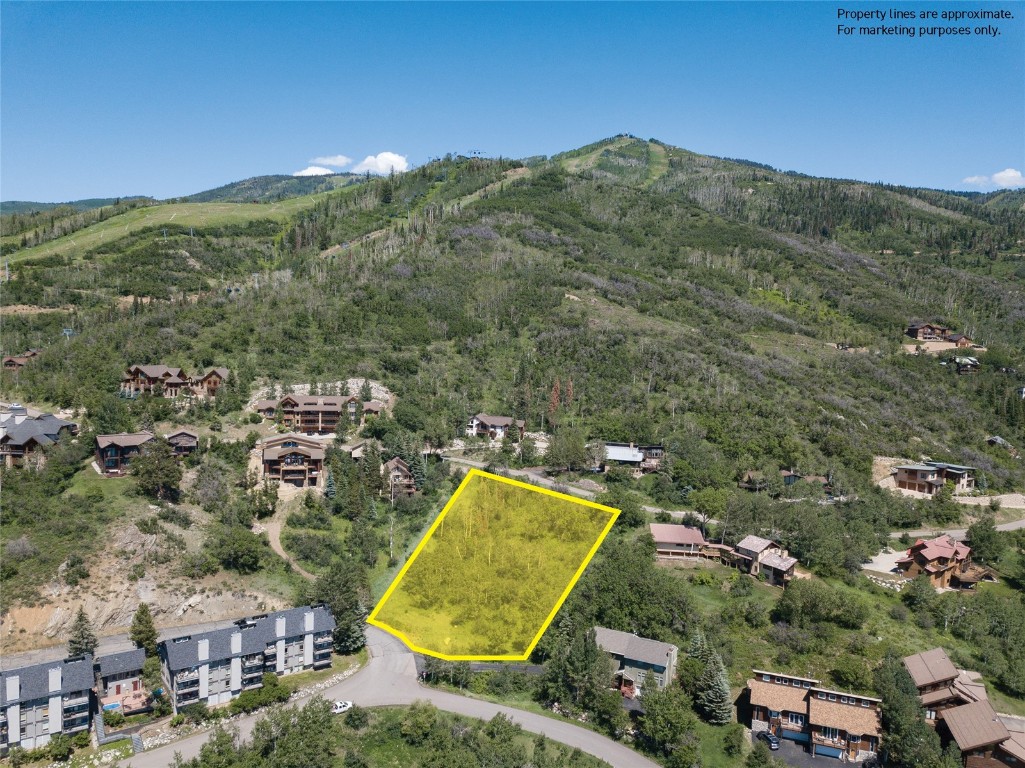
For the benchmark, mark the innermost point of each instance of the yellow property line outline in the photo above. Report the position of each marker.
(371, 619)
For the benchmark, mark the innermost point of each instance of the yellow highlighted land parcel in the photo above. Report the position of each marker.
(493, 570)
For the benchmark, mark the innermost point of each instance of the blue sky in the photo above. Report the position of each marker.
(167, 99)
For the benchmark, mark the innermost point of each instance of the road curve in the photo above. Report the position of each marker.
(389, 679)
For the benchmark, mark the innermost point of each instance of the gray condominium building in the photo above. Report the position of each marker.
(217, 666)
(40, 701)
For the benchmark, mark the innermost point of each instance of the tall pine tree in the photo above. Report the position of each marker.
(143, 633)
(714, 698)
(82, 638)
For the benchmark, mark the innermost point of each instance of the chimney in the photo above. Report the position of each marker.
(19, 412)
(236, 642)
(55, 680)
(203, 650)
(13, 691)
(279, 626)
(308, 621)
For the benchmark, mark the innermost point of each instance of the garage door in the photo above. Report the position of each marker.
(804, 738)
(828, 751)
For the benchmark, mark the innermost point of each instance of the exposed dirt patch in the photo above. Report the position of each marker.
(31, 309)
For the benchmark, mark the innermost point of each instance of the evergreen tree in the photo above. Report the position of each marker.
(329, 487)
(143, 633)
(698, 648)
(157, 471)
(366, 393)
(419, 470)
(82, 638)
(345, 590)
(714, 698)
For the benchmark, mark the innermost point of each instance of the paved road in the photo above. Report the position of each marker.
(547, 482)
(957, 533)
(389, 678)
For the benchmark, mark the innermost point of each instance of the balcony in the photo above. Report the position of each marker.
(252, 661)
(825, 741)
(188, 684)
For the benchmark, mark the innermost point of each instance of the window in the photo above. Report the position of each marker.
(854, 737)
(773, 713)
(781, 680)
(766, 678)
(930, 714)
(832, 697)
(797, 683)
(806, 684)
(795, 719)
(820, 695)
(865, 703)
(830, 733)
(843, 699)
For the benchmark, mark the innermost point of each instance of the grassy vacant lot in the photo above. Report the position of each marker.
(493, 568)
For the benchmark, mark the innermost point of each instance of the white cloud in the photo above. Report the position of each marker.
(1008, 178)
(382, 163)
(315, 170)
(335, 161)
(977, 181)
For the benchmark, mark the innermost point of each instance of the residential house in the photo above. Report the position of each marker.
(183, 442)
(641, 458)
(756, 555)
(42, 700)
(495, 427)
(293, 459)
(23, 436)
(399, 479)
(17, 362)
(927, 332)
(216, 667)
(119, 684)
(356, 450)
(316, 414)
(966, 365)
(832, 723)
(944, 560)
(960, 340)
(637, 658)
(208, 383)
(114, 453)
(929, 476)
(266, 408)
(678, 540)
(373, 408)
(955, 701)
(940, 684)
(154, 379)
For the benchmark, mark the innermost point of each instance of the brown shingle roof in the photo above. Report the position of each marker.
(270, 454)
(778, 697)
(930, 667)
(1016, 744)
(852, 718)
(974, 725)
(124, 439)
(667, 533)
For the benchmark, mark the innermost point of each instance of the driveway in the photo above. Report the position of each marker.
(792, 753)
(389, 678)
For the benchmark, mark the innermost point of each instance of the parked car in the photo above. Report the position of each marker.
(341, 707)
(770, 739)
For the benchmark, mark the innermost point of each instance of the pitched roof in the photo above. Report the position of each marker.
(974, 725)
(778, 697)
(930, 667)
(1016, 744)
(373, 405)
(186, 432)
(124, 439)
(396, 463)
(43, 430)
(263, 405)
(779, 562)
(278, 440)
(117, 663)
(853, 718)
(754, 543)
(222, 372)
(667, 533)
(276, 452)
(257, 633)
(34, 681)
(498, 421)
(944, 546)
(633, 647)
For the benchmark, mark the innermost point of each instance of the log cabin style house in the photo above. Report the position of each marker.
(24, 435)
(846, 726)
(114, 453)
(946, 561)
(293, 459)
(167, 381)
(316, 414)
